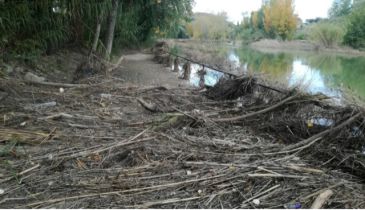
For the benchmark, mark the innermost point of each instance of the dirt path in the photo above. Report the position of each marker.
(140, 69)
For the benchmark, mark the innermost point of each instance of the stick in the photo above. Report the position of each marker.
(259, 195)
(256, 113)
(68, 116)
(168, 201)
(184, 113)
(83, 126)
(114, 145)
(28, 170)
(57, 116)
(218, 164)
(320, 191)
(20, 173)
(54, 84)
(278, 176)
(322, 199)
(306, 170)
(50, 135)
(156, 187)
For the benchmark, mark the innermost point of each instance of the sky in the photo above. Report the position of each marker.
(306, 9)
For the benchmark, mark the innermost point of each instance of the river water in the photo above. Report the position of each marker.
(330, 74)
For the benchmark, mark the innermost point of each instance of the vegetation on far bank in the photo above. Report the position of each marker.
(276, 20)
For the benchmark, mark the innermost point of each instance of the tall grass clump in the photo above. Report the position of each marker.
(327, 34)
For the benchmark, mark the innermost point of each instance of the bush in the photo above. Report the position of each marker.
(300, 36)
(355, 36)
(250, 35)
(327, 34)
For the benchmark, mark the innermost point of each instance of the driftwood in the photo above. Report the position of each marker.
(322, 199)
(33, 78)
(232, 119)
(41, 106)
(117, 156)
(149, 106)
(68, 116)
(54, 84)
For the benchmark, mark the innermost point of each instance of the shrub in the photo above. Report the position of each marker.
(300, 35)
(355, 35)
(327, 34)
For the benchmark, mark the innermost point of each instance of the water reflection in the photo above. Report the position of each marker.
(211, 77)
(313, 72)
(309, 79)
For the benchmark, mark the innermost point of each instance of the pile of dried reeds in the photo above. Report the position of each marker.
(107, 145)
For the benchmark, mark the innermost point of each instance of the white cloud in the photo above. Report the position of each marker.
(306, 9)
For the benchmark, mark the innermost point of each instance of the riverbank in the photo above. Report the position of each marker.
(269, 45)
(110, 142)
(336, 75)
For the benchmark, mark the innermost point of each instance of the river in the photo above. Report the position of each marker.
(333, 75)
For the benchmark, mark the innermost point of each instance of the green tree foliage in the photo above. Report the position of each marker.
(355, 35)
(33, 27)
(340, 8)
(209, 26)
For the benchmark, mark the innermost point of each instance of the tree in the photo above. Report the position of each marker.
(279, 18)
(340, 8)
(112, 19)
(355, 35)
(34, 27)
(326, 34)
(210, 26)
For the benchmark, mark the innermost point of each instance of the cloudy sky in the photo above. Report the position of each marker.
(306, 9)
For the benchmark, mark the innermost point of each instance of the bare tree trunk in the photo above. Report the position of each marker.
(112, 19)
(96, 35)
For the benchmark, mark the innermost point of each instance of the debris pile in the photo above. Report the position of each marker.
(161, 53)
(238, 145)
